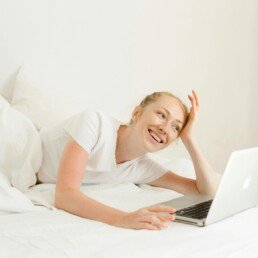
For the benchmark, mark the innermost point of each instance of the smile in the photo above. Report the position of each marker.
(155, 137)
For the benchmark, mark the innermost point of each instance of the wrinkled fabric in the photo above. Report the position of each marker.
(55, 233)
(20, 152)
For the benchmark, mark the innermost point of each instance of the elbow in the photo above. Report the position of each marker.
(57, 204)
(214, 188)
(60, 197)
(58, 201)
(210, 188)
(211, 191)
(64, 197)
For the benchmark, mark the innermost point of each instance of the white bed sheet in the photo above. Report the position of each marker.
(48, 232)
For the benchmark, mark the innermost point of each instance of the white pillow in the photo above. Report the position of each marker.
(29, 98)
(21, 151)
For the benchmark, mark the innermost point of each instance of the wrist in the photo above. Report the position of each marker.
(187, 139)
(117, 218)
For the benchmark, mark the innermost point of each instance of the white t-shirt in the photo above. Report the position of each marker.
(96, 132)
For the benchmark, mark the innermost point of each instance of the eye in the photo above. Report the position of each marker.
(162, 115)
(176, 127)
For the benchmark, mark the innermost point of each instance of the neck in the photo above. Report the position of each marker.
(127, 147)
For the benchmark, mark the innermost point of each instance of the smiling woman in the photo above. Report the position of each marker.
(92, 147)
(164, 116)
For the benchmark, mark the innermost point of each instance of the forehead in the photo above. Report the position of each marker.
(171, 104)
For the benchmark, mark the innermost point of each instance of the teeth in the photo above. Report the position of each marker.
(155, 136)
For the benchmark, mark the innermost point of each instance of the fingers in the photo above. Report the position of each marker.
(194, 100)
(154, 220)
(146, 225)
(197, 100)
(153, 217)
(165, 217)
(195, 104)
(161, 208)
(158, 215)
(163, 212)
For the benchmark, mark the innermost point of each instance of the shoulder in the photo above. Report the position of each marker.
(98, 115)
(92, 123)
(85, 117)
(88, 113)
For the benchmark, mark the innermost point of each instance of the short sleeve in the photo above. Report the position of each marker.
(84, 128)
(150, 170)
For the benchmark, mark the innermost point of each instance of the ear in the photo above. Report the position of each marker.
(136, 113)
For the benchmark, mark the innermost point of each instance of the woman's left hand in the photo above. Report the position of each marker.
(187, 131)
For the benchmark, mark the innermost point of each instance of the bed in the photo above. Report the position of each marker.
(30, 225)
(49, 232)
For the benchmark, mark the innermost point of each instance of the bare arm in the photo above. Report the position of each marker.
(207, 180)
(68, 196)
(180, 184)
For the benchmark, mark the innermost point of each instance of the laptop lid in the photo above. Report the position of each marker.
(238, 189)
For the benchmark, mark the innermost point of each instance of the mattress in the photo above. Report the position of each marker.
(49, 232)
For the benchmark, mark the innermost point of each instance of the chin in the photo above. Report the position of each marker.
(149, 147)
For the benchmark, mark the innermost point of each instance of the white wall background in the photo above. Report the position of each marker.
(109, 54)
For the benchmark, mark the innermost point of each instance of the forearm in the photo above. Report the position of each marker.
(75, 202)
(207, 180)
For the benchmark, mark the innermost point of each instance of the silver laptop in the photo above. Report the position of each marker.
(238, 191)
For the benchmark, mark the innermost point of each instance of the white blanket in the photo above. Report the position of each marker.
(55, 233)
(20, 147)
(11, 199)
(122, 196)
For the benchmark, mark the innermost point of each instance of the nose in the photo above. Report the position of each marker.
(163, 128)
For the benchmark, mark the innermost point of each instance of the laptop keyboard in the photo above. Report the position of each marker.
(198, 211)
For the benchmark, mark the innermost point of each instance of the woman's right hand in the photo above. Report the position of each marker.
(153, 218)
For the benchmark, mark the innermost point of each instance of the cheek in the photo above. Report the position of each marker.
(154, 119)
(172, 138)
(149, 121)
(140, 127)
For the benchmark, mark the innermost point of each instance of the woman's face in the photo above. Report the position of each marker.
(159, 123)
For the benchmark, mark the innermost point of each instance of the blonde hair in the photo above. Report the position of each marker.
(156, 95)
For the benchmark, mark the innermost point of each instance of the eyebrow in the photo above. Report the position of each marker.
(170, 115)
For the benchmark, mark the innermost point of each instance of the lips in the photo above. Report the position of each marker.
(156, 136)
